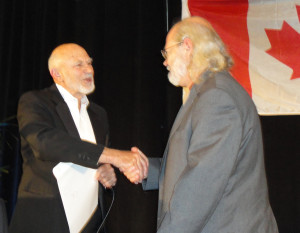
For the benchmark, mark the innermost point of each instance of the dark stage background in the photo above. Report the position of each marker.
(124, 38)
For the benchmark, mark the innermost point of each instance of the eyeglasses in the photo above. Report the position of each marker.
(164, 52)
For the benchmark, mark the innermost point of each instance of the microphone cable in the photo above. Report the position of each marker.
(111, 204)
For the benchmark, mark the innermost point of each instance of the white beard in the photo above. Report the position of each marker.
(178, 71)
(81, 87)
(87, 90)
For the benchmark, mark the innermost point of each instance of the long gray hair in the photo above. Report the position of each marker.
(209, 50)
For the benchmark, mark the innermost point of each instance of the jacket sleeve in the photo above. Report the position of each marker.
(43, 132)
(152, 181)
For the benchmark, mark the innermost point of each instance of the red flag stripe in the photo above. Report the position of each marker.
(224, 15)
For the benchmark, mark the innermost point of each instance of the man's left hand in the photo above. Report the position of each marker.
(105, 174)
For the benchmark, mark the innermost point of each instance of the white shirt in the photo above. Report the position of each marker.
(80, 117)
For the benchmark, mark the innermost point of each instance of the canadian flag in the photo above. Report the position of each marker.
(263, 38)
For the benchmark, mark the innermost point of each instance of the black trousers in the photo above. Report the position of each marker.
(36, 215)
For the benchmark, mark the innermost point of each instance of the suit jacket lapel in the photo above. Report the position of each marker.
(64, 112)
(95, 122)
(183, 110)
(65, 115)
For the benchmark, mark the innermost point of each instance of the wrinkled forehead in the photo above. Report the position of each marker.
(74, 53)
(200, 21)
(67, 54)
(186, 23)
(170, 37)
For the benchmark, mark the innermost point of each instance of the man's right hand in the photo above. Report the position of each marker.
(133, 164)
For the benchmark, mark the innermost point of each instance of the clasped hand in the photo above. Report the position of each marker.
(133, 164)
(105, 174)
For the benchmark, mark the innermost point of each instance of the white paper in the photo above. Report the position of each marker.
(79, 193)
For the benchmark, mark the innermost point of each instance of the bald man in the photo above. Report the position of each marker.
(211, 178)
(59, 124)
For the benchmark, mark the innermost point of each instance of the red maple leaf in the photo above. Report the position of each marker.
(286, 46)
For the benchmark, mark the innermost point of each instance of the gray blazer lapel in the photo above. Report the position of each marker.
(176, 124)
(184, 108)
(180, 116)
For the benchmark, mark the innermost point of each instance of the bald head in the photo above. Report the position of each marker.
(61, 53)
(71, 67)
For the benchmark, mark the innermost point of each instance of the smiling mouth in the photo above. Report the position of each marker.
(88, 80)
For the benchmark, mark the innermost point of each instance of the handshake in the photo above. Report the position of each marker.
(133, 164)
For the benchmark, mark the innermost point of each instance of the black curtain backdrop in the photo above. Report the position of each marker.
(124, 38)
(281, 135)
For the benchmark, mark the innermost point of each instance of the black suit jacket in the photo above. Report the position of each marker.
(49, 136)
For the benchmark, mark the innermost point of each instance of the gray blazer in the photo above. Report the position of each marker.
(211, 178)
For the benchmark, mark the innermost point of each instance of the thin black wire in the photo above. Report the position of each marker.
(112, 202)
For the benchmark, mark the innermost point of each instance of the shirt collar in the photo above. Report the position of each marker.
(70, 99)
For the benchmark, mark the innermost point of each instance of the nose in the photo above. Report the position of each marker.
(165, 63)
(89, 68)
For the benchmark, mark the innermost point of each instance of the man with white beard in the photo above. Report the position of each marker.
(211, 178)
(59, 124)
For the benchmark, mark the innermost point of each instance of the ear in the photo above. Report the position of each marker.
(188, 44)
(188, 48)
(55, 75)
